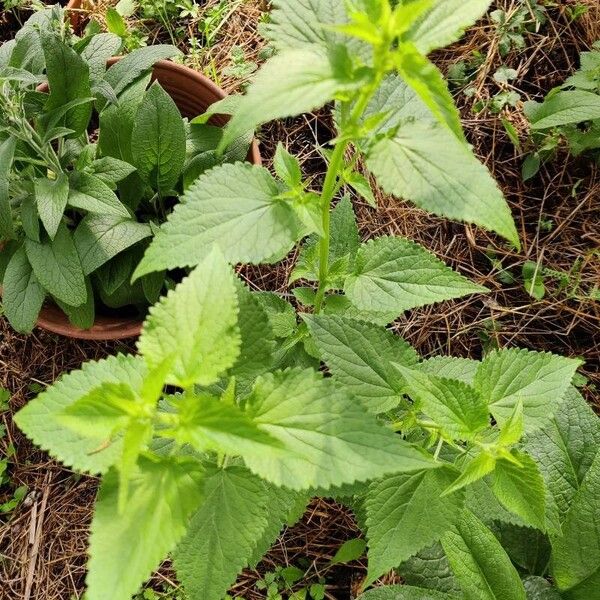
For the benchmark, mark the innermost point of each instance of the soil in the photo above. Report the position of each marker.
(43, 545)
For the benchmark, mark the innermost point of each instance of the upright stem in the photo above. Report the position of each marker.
(330, 185)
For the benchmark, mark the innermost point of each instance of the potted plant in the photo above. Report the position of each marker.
(93, 160)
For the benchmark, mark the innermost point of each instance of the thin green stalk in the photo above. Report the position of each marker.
(331, 187)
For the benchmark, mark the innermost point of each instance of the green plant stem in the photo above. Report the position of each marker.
(330, 185)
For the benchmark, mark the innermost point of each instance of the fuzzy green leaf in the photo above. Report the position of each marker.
(538, 379)
(92, 194)
(207, 423)
(158, 140)
(521, 489)
(22, 296)
(163, 495)
(290, 83)
(429, 84)
(69, 80)
(100, 48)
(564, 108)
(57, 267)
(404, 592)
(233, 206)
(395, 274)
(131, 67)
(99, 238)
(565, 448)
(445, 23)
(359, 354)
(7, 152)
(40, 418)
(451, 367)
(479, 562)
(51, 199)
(406, 513)
(429, 166)
(223, 533)
(195, 326)
(327, 437)
(299, 24)
(456, 407)
(111, 170)
(576, 554)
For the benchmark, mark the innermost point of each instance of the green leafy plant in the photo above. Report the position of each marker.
(88, 171)
(224, 424)
(569, 116)
(514, 25)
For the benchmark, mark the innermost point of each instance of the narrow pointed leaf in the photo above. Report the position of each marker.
(51, 199)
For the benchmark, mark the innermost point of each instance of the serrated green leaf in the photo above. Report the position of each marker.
(479, 562)
(162, 497)
(359, 355)
(290, 83)
(281, 314)
(7, 152)
(51, 199)
(429, 166)
(195, 325)
(429, 84)
(476, 468)
(39, 419)
(328, 439)
(233, 206)
(453, 405)
(282, 502)
(299, 24)
(394, 103)
(564, 108)
(222, 534)
(451, 367)
(406, 513)
(92, 194)
(207, 423)
(565, 448)
(482, 502)
(287, 166)
(22, 296)
(445, 23)
(521, 489)
(98, 238)
(69, 79)
(430, 569)
(576, 554)
(395, 274)
(257, 338)
(57, 267)
(538, 379)
(158, 140)
(102, 412)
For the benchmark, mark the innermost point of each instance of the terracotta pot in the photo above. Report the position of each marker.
(193, 93)
(75, 16)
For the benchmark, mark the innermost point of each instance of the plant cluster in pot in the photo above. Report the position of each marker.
(94, 153)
